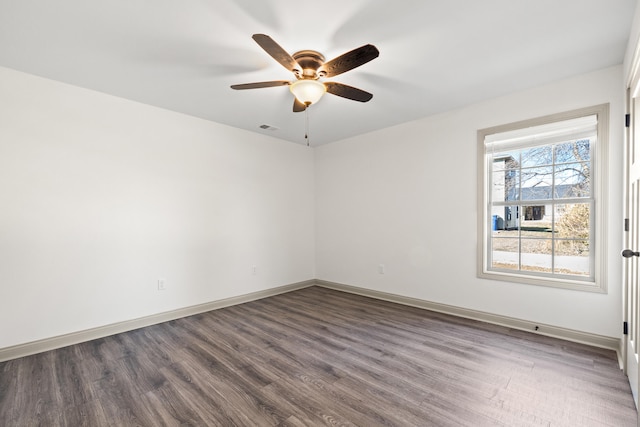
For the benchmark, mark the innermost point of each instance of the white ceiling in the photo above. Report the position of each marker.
(434, 55)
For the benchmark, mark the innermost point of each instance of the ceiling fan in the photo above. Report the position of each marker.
(309, 67)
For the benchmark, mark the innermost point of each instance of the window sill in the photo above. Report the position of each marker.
(561, 283)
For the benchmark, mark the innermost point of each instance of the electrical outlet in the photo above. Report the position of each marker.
(162, 285)
(381, 269)
(254, 270)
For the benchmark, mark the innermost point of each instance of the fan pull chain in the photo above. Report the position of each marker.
(306, 125)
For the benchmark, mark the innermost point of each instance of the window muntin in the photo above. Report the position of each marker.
(540, 201)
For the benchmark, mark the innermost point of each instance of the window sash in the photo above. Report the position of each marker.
(553, 239)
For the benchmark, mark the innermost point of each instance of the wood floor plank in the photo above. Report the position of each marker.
(171, 408)
(317, 357)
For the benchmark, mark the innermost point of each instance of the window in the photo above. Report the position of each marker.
(541, 200)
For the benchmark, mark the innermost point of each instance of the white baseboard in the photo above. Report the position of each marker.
(595, 340)
(52, 343)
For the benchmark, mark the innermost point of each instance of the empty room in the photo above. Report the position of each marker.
(274, 213)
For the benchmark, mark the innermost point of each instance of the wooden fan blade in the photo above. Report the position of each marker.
(259, 85)
(348, 92)
(349, 60)
(277, 52)
(298, 106)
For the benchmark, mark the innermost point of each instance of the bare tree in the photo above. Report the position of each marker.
(549, 171)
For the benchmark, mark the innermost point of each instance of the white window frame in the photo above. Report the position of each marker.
(599, 174)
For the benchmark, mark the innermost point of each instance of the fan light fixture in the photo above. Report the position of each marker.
(308, 66)
(308, 91)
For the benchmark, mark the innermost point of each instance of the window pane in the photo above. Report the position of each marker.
(536, 183)
(512, 186)
(511, 218)
(505, 185)
(537, 156)
(536, 255)
(572, 180)
(504, 253)
(574, 151)
(572, 221)
(572, 257)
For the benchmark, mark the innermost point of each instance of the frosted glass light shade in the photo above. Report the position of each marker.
(308, 91)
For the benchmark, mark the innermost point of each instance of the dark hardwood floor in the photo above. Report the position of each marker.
(318, 357)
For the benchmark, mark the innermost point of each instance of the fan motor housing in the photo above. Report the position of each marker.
(310, 61)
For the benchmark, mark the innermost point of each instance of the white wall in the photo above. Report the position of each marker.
(100, 197)
(380, 200)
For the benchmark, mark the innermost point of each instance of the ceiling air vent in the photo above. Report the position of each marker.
(268, 127)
